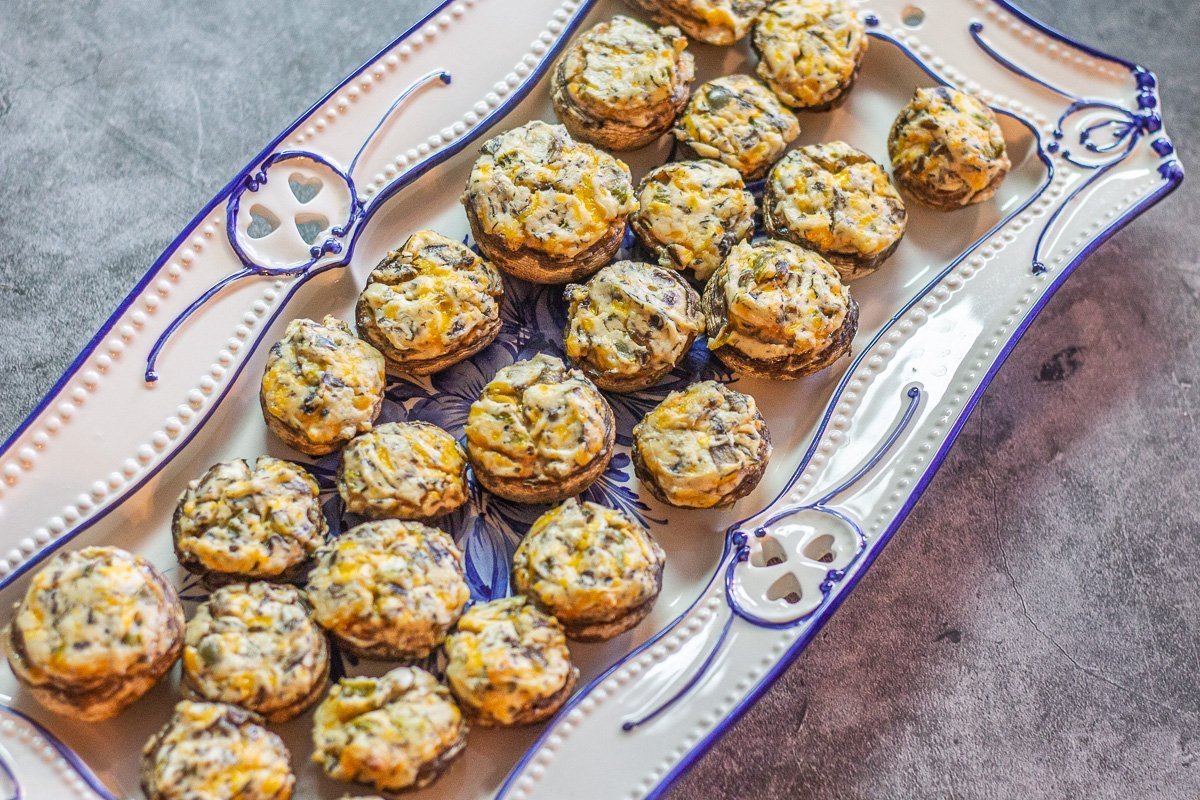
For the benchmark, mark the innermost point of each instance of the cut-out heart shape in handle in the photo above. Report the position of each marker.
(304, 189)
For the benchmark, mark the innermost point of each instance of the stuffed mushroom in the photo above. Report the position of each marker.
(539, 432)
(508, 663)
(389, 589)
(809, 51)
(545, 207)
(322, 386)
(94, 631)
(631, 324)
(403, 470)
(704, 447)
(947, 149)
(777, 310)
(710, 21)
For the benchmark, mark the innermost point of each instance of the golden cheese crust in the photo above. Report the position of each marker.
(947, 149)
(242, 522)
(396, 732)
(212, 751)
(704, 447)
(389, 589)
(508, 663)
(622, 83)
(691, 214)
(255, 645)
(631, 324)
(720, 22)
(95, 630)
(539, 432)
(430, 304)
(776, 310)
(810, 51)
(322, 386)
(403, 470)
(594, 569)
(739, 122)
(838, 201)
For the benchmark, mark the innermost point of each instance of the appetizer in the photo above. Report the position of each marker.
(837, 201)
(710, 21)
(947, 149)
(396, 732)
(238, 522)
(545, 207)
(777, 310)
(809, 51)
(389, 589)
(539, 432)
(621, 84)
(631, 324)
(403, 470)
(96, 629)
(430, 304)
(255, 645)
(594, 569)
(706, 446)
(739, 122)
(212, 751)
(508, 663)
(691, 214)
(322, 386)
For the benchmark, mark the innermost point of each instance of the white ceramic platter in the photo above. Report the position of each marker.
(104, 457)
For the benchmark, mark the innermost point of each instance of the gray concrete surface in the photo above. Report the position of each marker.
(1031, 632)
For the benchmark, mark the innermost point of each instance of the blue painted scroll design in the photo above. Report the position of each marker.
(49, 740)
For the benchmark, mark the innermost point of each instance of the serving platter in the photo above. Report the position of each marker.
(103, 458)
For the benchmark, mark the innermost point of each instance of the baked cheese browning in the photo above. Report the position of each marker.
(94, 631)
(255, 645)
(836, 200)
(430, 303)
(703, 447)
(712, 21)
(809, 51)
(322, 385)
(585, 564)
(406, 470)
(212, 751)
(399, 731)
(739, 122)
(256, 522)
(947, 148)
(534, 187)
(508, 663)
(691, 214)
(631, 324)
(389, 589)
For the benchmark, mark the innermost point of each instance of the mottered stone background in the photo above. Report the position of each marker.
(1034, 628)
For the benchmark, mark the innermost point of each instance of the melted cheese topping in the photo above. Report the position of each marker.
(260, 521)
(739, 122)
(505, 657)
(537, 420)
(431, 296)
(387, 732)
(408, 470)
(947, 142)
(535, 187)
(809, 49)
(210, 751)
(582, 563)
(780, 300)
(699, 443)
(390, 583)
(836, 199)
(712, 21)
(94, 615)
(631, 318)
(624, 70)
(322, 381)
(255, 646)
(692, 213)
